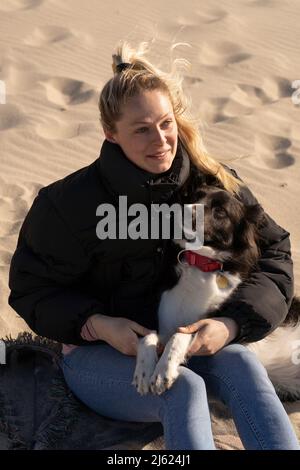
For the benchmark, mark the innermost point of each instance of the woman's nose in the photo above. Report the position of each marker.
(159, 136)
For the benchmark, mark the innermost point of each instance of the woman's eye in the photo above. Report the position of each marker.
(142, 130)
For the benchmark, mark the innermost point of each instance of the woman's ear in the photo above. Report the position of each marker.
(110, 137)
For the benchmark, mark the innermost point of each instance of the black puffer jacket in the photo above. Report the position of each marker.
(61, 272)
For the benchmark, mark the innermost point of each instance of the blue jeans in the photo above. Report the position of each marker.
(101, 377)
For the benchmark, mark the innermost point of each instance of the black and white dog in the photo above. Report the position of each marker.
(203, 280)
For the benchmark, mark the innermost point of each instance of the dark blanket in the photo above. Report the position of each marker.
(38, 411)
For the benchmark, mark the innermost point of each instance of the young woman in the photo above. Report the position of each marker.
(97, 296)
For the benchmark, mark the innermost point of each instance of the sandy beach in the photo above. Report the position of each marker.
(56, 56)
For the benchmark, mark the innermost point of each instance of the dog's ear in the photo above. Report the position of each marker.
(199, 194)
(255, 215)
(190, 195)
(190, 191)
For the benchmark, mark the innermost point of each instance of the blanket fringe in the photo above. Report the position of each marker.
(63, 416)
(28, 341)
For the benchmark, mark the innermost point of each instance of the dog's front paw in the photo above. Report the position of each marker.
(141, 379)
(145, 363)
(163, 379)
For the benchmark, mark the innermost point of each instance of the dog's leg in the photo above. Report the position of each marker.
(145, 362)
(166, 371)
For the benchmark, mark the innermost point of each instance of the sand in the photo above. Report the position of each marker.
(55, 57)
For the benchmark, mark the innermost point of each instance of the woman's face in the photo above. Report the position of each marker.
(147, 131)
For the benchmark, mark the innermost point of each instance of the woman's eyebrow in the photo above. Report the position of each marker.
(147, 122)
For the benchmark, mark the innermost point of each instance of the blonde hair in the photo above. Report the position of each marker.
(141, 75)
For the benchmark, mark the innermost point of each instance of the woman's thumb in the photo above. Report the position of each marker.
(189, 328)
(141, 330)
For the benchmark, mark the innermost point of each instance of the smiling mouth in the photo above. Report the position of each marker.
(159, 156)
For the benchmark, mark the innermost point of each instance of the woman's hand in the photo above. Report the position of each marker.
(120, 333)
(212, 335)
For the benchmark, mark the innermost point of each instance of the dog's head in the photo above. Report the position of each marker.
(230, 229)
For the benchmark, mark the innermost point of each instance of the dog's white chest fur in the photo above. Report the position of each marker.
(203, 293)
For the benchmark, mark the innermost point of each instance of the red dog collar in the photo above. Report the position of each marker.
(201, 262)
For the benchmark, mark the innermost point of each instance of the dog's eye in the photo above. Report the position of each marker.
(219, 212)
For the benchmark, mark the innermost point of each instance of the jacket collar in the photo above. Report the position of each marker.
(122, 177)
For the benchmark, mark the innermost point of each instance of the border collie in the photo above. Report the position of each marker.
(202, 280)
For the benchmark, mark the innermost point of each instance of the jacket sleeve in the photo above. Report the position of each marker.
(262, 302)
(45, 268)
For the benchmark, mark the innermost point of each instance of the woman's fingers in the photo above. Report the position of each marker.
(192, 328)
(141, 330)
